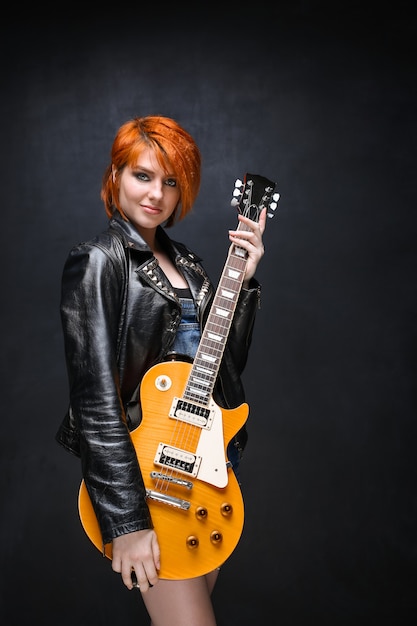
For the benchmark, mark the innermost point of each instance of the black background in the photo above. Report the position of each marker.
(321, 98)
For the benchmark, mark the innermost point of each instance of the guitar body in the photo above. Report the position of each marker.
(194, 497)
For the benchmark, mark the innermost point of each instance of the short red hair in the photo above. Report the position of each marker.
(175, 150)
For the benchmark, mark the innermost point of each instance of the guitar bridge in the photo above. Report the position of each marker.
(180, 482)
(175, 458)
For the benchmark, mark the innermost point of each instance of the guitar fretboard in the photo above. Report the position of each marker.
(255, 195)
(213, 340)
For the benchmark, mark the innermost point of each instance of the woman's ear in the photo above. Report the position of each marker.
(113, 172)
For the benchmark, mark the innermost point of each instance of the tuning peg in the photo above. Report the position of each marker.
(237, 192)
(273, 205)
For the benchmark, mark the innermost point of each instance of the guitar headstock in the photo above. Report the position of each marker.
(253, 194)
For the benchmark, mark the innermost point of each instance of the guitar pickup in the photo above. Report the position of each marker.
(175, 458)
(191, 413)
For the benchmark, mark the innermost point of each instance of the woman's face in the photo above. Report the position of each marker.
(147, 195)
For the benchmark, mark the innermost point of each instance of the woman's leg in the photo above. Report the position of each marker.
(179, 602)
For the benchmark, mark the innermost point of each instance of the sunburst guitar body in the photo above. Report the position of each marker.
(198, 520)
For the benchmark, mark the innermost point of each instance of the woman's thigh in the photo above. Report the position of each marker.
(179, 602)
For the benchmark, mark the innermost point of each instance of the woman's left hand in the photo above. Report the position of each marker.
(251, 241)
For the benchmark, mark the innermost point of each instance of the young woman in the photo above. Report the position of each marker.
(130, 297)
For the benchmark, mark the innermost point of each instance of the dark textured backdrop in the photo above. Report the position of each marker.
(323, 101)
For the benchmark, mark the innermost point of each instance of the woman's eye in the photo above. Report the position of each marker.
(141, 176)
(171, 182)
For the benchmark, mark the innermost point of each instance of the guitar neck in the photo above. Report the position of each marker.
(251, 197)
(213, 340)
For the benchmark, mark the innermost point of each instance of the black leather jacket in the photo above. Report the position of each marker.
(119, 317)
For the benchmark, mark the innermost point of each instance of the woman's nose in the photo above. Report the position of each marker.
(156, 189)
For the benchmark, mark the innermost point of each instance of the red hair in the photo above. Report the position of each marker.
(175, 150)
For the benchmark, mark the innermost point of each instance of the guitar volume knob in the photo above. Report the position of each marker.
(201, 513)
(226, 509)
(192, 542)
(216, 536)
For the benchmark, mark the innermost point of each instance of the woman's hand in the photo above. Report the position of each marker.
(137, 552)
(251, 241)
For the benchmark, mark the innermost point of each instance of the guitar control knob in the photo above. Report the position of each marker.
(192, 542)
(201, 513)
(216, 536)
(226, 509)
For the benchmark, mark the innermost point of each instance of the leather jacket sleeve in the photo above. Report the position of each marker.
(90, 307)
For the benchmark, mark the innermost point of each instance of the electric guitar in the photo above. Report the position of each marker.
(193, 495)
